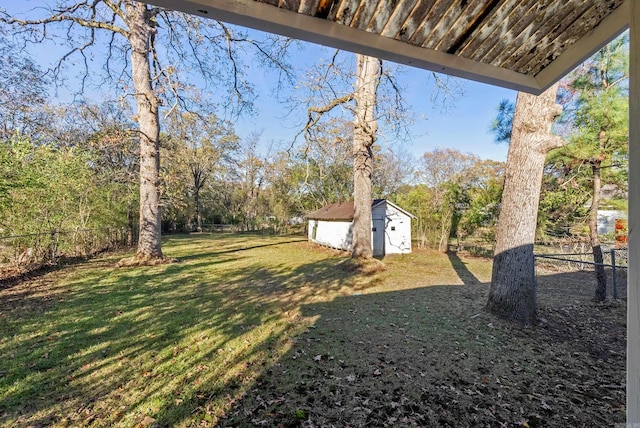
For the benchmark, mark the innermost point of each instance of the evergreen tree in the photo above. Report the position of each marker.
(598, 141)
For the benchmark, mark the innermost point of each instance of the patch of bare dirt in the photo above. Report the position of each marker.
(135, 261)
(364, 266)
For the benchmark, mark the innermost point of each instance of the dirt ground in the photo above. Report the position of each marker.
(432, 357)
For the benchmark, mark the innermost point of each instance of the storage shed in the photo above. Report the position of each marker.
(332, 226)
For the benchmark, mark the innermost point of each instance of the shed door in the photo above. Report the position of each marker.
(377, 236)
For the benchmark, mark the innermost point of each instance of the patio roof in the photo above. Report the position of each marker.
(519, 44)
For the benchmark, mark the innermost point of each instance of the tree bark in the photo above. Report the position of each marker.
(512, 294)
(364, 135)
(140, 34)
(198, 183)
(598, 259)
(196, 202)
(131, 231)
(445, 230)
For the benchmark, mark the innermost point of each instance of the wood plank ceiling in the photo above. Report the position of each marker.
(521, 35)
(508, 42)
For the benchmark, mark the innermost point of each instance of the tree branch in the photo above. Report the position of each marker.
(316, 113)
(67, 18)
(115, 8)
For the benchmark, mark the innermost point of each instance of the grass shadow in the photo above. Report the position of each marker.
(276, 335)
(99, 346)
(242, 242)
(431, 356)
(466, 276)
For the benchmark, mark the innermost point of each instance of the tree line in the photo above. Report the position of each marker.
(79, 168)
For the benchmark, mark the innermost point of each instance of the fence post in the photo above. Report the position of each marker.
(613, 274)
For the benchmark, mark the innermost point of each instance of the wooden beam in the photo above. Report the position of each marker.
(633, 278)
(610, 28)
(265, 17)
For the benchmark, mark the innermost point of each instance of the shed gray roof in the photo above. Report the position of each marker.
(345, 210)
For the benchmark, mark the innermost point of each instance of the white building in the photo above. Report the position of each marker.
(607, 220)
(332, 226)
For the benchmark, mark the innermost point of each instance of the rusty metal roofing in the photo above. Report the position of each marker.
(521, 44)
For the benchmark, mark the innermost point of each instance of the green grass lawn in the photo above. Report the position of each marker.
(94, 344)
(190, 343)
(177, 342)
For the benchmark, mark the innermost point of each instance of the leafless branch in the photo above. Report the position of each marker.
(62, 17)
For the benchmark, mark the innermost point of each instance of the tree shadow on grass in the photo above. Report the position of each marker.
(242, 242)
(465, 275)
(287, 342)
(170, 342)
(432, 357)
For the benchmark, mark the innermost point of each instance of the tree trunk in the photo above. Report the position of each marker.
(364, 135)
(131, 231)
(196, 202)
(140, 33)
(512, 294)
(601, 277)
(445, 229)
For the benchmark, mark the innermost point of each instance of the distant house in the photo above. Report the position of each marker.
(607, 220)
(332, 226)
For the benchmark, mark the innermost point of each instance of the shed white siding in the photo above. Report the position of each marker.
(334, 234)
(390, 230)
(397, 229)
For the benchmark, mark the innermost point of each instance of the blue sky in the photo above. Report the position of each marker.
(463, 125)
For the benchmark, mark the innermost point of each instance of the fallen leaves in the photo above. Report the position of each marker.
(459, 367)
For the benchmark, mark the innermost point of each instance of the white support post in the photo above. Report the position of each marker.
(633, 284)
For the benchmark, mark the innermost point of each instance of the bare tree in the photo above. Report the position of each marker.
(250, 180)
(512, 293)
(199, 148)
(447, 172)
(22, 89)
(147, 48)
(364, 135)
(374, 97)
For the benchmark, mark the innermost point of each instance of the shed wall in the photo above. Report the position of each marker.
(397, 231)
(393, 238)
(334, 234)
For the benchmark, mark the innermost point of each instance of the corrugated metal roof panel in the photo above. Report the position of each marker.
(515, 34)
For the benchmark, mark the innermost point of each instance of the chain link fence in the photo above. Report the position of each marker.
(615, 261)
(568, 263)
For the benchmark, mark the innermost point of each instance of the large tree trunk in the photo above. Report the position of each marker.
(364, 135)
(512, 294)
(601, 277)
(140, 33)
(131, 231)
